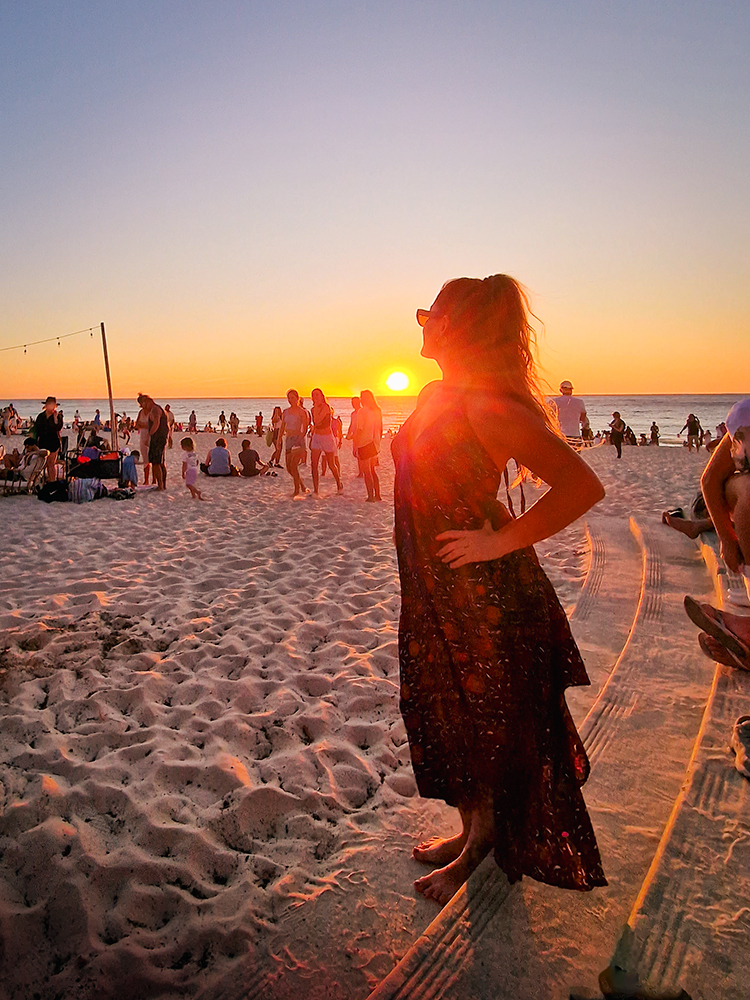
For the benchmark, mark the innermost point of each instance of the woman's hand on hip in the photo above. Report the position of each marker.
(462, 547)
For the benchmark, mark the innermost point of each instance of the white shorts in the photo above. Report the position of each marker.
(323, 442)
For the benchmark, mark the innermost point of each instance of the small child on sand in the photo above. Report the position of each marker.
(190, 468)
(129, 477)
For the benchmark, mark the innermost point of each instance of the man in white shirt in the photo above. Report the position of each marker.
(571, 412)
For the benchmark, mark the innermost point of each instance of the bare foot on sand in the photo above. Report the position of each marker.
(439, 850)
(442, 884)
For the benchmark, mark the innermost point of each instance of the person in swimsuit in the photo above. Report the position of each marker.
(323, 440)
(367, 434)
(158, 431)
(485, 649)
(617, 432)
(295, 421)
(141, 425)
(276, 437)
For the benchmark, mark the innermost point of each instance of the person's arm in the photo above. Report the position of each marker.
(720, 468)
(681, 430)
(510, 430)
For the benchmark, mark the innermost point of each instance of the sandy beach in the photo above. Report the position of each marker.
(205, 782)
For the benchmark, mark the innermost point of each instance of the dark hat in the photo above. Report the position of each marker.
(49, 399)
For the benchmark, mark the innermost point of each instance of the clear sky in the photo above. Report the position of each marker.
(253, 195)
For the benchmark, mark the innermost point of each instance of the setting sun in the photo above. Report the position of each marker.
(397, 381)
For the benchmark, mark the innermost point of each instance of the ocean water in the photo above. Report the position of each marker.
(669, 412)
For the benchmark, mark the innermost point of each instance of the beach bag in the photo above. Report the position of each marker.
(269, 436)
(81, 490)
(121, 493)
(56, 491)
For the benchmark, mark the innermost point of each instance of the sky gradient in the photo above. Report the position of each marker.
(257, 195)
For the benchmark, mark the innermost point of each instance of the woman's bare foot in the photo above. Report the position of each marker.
(442, 884)
(690, 528)
(439, 850)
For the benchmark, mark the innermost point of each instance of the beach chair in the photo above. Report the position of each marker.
(25, 480)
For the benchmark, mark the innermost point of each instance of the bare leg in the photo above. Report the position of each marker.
(442, 884)
(737, 491)
(315, 471)
(690, 528)
(442, 850)
(146, 473)
(335, 466)
(293, 459)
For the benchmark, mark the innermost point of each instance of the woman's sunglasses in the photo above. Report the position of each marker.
(422, 316)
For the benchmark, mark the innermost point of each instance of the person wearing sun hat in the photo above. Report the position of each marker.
(571, 413)
(47, 427)
(726, 489)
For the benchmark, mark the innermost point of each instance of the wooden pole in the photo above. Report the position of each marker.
(112, 420)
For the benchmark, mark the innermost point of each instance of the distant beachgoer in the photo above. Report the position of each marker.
(259, 425)
(276, 419)
(47, 427)
(655, 435)
(222, 421)
(158, 431)
(250, 463)
(218, 460)
(485, 649)
(234, 424)
(571, 412)
(129, 476)
(141, 425)
(726, 489)
(190, 467)
(694, 431)
(295, 421)
(323, 440)
(97, 421)
(356, 406)
(170, 424)
(367, 435)
(617, 432)
(192, 423)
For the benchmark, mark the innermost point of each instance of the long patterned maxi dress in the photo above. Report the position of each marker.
(486, 654)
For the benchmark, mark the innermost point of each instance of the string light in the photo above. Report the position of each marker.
(50, 340)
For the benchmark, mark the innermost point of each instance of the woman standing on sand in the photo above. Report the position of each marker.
(485, 649)
(367, 434)
(144, 437)
(276, 436)
(295, 421)
(323, 442)
(617, 432)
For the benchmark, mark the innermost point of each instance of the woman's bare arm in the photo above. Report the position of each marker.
(508, 430)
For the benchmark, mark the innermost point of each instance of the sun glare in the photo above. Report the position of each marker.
(397, 381)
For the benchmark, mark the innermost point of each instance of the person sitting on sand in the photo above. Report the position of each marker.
(30, 452)
(250, 462)
(295, 421)
(726, 489)
(129, 477)
(218, 460)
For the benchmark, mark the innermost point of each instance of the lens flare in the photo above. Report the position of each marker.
(397, 381)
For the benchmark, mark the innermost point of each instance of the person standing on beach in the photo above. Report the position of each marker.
(170, 424)
(571, 412)
(323, 442)
(351, 432)
(141, 425)
(192, 423)
(276, 418)
(47, 427)
(158, 431)
(295, 421)
(617, 432)
(655, 434)
(485, 650)
(694, 432)
(367, 437)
